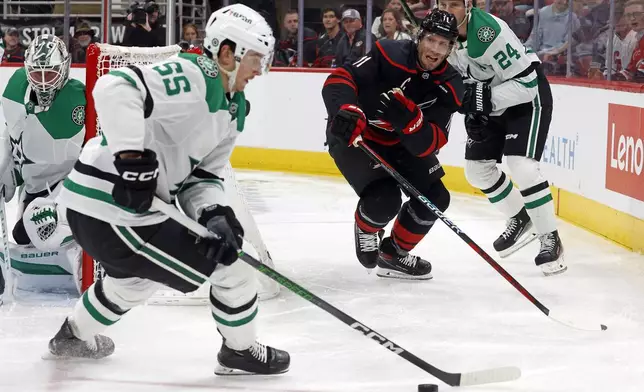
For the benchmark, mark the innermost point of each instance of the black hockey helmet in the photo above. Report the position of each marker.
(441, 23)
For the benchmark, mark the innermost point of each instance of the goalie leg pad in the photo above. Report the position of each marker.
(45, 225)
(234, 305)
(496, 186)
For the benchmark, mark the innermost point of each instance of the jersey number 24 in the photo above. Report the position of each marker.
(505, 60)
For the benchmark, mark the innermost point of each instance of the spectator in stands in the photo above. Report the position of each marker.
(327, 43)
(634, 13)
(393, 5)
(352, 45)
(420, 8)
(191, 41)
(551, 35)
(139, 32)
(624, 42)
(152, 9)
(14, 51)
(286, 53)
(515, 18)
(392, 26)
(83, 36)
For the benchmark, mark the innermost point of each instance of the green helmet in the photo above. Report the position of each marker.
(47, 64)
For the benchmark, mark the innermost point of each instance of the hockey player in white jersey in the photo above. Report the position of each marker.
(508, 108)
(168, 130)
(45, 113)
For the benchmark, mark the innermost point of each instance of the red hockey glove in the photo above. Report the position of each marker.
(349, 123)
(401, 112)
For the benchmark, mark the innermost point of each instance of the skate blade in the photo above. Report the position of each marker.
(523, 241)
(221, 370)
(549, 272)
(391, 274)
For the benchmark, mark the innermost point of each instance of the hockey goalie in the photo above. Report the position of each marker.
(43, 137)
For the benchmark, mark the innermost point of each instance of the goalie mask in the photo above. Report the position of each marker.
(249, 33)
(47, 64)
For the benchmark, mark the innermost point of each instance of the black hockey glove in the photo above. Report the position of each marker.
(476, 126)
(399, 111)
(349, 123)
(221, 220)
(137, 181)
(477, 98)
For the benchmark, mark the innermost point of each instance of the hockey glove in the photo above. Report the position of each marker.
(399, 111)
(137, 181)
(221, 220)
(349, 123)
(476, 126)
(477, 98)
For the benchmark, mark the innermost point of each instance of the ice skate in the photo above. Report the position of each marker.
(517, 234)
(66, 345)
(258, 359)
(394, 262)
(550, 257)
(367, 246)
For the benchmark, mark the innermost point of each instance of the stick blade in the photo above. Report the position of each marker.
(581, 324)
(502, 374)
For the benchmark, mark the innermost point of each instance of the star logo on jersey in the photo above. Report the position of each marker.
(78, 115)
(486, 34)
(18, 153)
(30, 107)
(193, 164)
(208, 67)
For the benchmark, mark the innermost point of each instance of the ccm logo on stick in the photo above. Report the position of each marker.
(136, 176)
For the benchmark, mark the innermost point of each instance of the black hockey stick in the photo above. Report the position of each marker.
(416, 194)
(493, 375)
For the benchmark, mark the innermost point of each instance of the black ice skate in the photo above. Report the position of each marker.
(367, 246)
(517, 234)
(258, 359)
(550, 257)
(66, 345)
(394, 262)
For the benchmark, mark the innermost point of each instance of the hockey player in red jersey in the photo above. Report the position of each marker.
(400, 98)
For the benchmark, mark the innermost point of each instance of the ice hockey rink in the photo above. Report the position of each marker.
(467, 318)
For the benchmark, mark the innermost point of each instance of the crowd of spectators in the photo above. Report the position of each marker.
(570, 42)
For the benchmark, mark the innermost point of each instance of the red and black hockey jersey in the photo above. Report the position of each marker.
(392, 64)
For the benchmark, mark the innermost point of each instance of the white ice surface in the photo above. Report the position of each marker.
(467, 318)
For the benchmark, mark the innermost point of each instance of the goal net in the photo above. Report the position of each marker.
(101, 58)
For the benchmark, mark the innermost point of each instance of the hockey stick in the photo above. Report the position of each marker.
(416, 194)
(6, 283)
(454, 379)
(409, 14)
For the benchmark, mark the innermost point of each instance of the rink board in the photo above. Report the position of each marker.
(594, 156)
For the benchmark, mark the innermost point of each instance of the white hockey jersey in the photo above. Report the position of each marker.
(493, 54)
(43, 144)
(177, 108)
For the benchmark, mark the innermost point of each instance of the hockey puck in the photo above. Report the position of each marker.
(427, 388)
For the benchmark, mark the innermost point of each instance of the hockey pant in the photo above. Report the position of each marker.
(380, 197)
(519, 134)
(139, 260)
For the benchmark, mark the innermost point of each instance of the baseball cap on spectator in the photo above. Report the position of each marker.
(350, 13)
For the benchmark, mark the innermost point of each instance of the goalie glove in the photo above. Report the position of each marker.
(46, 225)
(399, 111)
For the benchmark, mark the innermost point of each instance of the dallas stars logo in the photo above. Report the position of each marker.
(208, 66)
(18, 152)
(486, 34)
(193, 163)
